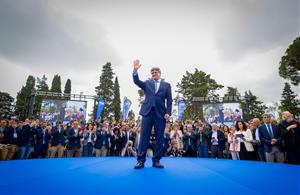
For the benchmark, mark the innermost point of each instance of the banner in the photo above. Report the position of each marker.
(126, 107)
(101, 104)
(181, 108)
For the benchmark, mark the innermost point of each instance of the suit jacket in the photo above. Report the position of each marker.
(203, 138)
(189, 139)
(57, 138)
(266, 139)
(152, 99)
(42, 139)
(221, 139)
(74, 141)
(86, 135)
(9, 135)
(26, 136)
(102, 139)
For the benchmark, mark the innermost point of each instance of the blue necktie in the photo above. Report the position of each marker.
(269, 127)
(156, 86)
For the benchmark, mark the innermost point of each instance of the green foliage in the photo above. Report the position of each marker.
(41, 85)
(289, 66)
(252, 107)
(116, 103)
(6, 105)
(23, 98)
(289, 101)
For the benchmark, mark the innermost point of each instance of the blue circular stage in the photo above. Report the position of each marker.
(115, 175)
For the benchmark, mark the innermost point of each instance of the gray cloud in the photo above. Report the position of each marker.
(39, 38)
(255, 26)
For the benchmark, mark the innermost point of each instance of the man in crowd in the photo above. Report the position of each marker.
(291, 136)
(58, 134)
(26, 140)
(189, 141)
(271, 138)
(74, 146)
(258, 146)
(217, 142)
(11, 134)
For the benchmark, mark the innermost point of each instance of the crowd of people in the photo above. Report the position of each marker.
(262, 139)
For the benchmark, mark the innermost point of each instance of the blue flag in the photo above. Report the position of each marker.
(101, 104)
(126, 107)
(181, 108)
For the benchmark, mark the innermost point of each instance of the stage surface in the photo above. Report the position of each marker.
(113, 175)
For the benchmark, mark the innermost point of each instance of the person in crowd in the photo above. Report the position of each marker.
(10, 139)
(26, 140)
(166, 137)
(3, 148)
(42, 140)
(129, 150)
(89, 137)
(74, 146)
(234, 143)
(244, 135)
(258, 146)
(217, 142)
(290, 129)
(203, 139)
(189, 141)
(102, 142)
(58, 139)
(271, 138)
(151, 145)
(225, 130)
(177, 135)
(116, 142)
(173, 150)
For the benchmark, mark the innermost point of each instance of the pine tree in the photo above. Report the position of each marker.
(252, 107)
(289, 101)
(67, 90)
(231, 95)
(40, 86)
(289, 67)
(131, 115)
(141, 96)
(196, 84)
(56, 84)
(6, 105)
(23, 98)
(116, 103)
(105, 89)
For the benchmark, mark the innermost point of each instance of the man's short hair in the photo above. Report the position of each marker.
(155, 69)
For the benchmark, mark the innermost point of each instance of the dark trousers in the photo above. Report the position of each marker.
(159, 125)
(261, 155)
(216, 151)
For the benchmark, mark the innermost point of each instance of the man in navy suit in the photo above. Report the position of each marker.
(271, 138)
(156, 110)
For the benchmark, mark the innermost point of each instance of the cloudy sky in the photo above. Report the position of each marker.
(239, 43)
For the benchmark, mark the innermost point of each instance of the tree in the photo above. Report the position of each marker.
(289, 101)
(197, 84)
(56, 84)
(40, 86)
(141, 96)
(105, 89)
(289, 66)
(116, 103)
(67, 90)
(23, 98)
(131, 115)
(6, 105)
(252, 107)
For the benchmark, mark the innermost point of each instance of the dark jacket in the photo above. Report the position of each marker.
(9, 135)
(190, 139)
(43, 139)
(220, 137)
(26, 136)
(203, 138)
(153, 99)
(102, 139)
(58, 137)
(291, 137)
(74, 140)
(265, 138)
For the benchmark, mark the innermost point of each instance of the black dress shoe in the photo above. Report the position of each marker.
(139, 165)
(157, 165)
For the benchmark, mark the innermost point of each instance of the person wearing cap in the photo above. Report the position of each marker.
(155, 110)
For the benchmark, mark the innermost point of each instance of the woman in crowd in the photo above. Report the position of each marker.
(116, 142)
(225, 130)
(177, 135)
(89, 137)
(234, 143)
(245, 137)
